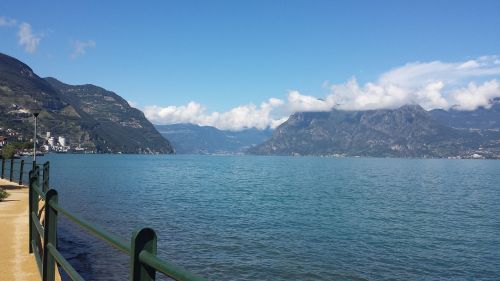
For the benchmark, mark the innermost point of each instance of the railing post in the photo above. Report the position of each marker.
(34, 205)
(142, 240)
(46, 176)
(3, 167)
(50, 236)
(21, 171)
(11, 171)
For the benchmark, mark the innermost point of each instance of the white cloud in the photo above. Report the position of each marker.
(473, 96)
(298, 102)
(430, 96)
(132, 104)
(7, 22)
(470, 64)
(80, 47)
(431, 84)
(27, 39)
(238, 118)
(417, 74)
(462, 85)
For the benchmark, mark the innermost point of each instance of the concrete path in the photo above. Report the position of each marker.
(15, 261)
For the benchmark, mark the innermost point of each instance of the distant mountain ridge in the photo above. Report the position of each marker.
(409, 131)
(195, 139)
(481, 118)
(103, 122)
(86, 115)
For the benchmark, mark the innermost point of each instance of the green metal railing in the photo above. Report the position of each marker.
(43, 238)
(13, 169)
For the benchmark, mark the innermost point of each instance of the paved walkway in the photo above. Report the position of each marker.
(15, 261)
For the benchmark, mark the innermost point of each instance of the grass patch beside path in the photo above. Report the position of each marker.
(3, 194)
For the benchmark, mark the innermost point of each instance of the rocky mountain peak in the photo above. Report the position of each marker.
(408, 131)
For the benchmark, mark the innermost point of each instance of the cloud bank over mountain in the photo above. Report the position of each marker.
(464, 85)
(238, 118)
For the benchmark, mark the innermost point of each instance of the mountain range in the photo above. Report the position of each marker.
(481, 118)
(194, 139)
(409, 131)
(86, 115)
(101, 121)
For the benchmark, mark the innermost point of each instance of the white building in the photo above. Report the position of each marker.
(62, 141)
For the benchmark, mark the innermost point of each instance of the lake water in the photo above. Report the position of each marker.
(287, 218)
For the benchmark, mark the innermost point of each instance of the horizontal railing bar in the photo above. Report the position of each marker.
(37, 190)
(164, 267)
(115, 241)
(25, 163)
(38, 226)
(64, 263)
(37, 256)
(145, 258)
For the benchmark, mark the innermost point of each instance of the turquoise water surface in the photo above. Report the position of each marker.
(287, 218)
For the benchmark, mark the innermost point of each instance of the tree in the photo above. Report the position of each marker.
(8, 151)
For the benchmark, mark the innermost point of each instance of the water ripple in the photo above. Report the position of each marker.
(287, 218)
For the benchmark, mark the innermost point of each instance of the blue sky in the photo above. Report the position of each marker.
(221, 55)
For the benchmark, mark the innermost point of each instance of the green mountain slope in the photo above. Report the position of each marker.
(86, 115)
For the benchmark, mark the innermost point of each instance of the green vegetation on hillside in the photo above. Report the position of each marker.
(88, 116)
